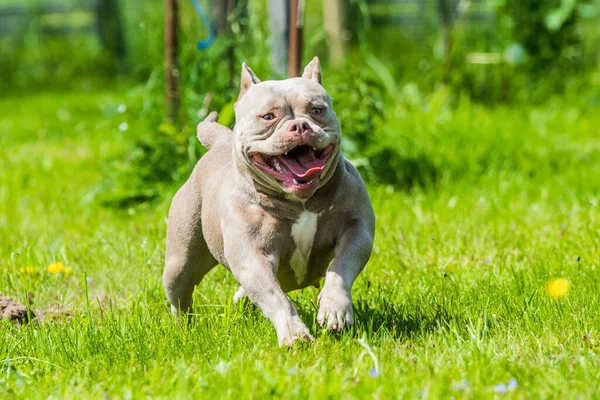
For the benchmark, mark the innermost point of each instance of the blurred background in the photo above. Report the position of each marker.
(427, 91)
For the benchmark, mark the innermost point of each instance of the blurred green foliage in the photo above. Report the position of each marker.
(394, 94)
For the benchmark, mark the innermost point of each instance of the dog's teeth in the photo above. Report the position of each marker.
(277, 166)
(285, 153)
(295, 182)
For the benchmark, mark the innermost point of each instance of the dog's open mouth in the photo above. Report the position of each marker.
(299, 168)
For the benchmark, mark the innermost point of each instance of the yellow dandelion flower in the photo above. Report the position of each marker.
(29, 270)
(21, 269)
(67, 270)
(56, 267)
(558, 288)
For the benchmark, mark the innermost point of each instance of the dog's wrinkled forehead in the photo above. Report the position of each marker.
(292, 93)
(286, 95)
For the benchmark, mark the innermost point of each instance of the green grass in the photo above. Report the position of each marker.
(454, 291)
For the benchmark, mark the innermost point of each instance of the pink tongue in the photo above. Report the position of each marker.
(304, 165)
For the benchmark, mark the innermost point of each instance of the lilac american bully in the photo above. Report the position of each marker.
(274, 202)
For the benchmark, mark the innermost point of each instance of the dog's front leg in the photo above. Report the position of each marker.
(256, 273)
(352, 251)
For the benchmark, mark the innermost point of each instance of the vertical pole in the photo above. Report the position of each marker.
(295, 46)
(218, 9)
(172, 97)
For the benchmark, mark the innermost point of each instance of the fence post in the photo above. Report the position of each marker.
(172, 96)
(295, 45)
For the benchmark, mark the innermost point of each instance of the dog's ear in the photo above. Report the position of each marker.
(249, 79)
(313, 71)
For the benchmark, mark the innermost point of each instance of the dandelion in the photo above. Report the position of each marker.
(27, 270)
(57, 267)
(123, 126)
(122, 108)
(558, 288)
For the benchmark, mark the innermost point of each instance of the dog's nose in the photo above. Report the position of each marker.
(299, 126)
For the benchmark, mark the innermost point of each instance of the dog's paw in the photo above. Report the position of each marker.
(293, 330)
(335, 310)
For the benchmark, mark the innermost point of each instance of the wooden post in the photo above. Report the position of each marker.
(296, 29)
(219, 12)
(172, 97)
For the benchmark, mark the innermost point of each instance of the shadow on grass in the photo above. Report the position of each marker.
(400, 321)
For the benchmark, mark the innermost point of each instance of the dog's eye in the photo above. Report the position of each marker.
(316, 111)
(268, 116)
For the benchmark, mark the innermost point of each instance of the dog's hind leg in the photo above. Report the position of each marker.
(187, 258)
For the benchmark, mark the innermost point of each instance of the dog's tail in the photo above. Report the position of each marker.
(210, 131)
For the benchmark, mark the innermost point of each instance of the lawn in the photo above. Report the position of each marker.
(452, 303)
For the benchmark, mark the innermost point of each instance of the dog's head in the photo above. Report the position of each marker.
(287, 136)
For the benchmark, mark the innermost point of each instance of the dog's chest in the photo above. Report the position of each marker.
(304, 231)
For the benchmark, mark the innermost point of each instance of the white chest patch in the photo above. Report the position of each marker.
(303, 233)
